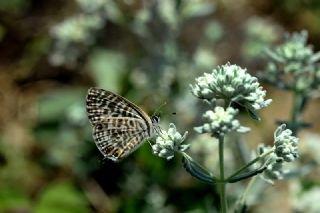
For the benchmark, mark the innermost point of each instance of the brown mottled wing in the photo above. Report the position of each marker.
(116, 139)
(102, 104)
(119, 126)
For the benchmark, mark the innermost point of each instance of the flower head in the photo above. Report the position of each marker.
(293, 64)
(221, 121)
(285, 144)
(274, 171)
(274, 168)
(74, 32)
(232, 83)
(284, 150)
(169, 142)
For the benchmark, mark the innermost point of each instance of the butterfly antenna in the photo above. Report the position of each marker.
(158, 109)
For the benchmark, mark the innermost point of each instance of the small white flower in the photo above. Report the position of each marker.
(221, 121)
(286, 145)
(274, 168)
(71, 34)
(77, 28)
(274, 171)
(170, 142)
(232, 83)
(284, 150)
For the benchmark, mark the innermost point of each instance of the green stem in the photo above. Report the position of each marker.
(245, 193)
(295, 113)
(250, 163)
(222, 184)
(227, 103)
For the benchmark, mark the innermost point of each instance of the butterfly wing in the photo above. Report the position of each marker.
(119, 125)
(102, 104)
(116, 138)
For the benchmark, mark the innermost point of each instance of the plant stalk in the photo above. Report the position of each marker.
(246, 192)
(245, 167)
(222, 184)
(296, 112)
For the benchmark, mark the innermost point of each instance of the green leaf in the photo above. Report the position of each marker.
(253, 114)
(247, 175)
(61, 197)
(197, 170)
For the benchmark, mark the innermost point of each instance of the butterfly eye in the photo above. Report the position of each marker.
(155, 119)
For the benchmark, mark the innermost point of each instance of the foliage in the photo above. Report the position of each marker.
(149, 52)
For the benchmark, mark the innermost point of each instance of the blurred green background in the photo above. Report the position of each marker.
(148, 51)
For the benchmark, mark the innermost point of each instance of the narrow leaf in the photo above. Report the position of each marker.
(247, 175)
(253, 114)
(197, 170)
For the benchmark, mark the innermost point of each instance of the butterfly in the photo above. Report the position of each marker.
(119, 126)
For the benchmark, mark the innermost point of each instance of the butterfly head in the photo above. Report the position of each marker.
(155, 123)
(155, 119)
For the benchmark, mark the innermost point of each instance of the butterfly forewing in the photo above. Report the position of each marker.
(119, 126)
(102, 104)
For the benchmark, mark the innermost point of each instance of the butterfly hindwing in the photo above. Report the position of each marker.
(116, 143)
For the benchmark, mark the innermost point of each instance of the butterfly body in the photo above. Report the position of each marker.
(119, 126)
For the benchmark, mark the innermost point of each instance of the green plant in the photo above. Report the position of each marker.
(226, 90)
(293, 66)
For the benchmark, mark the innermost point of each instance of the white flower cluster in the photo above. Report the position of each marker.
(274, 171)
(284, 150)
(295, 53)
(170, 142)
(77, 33)
(77, 28)
(221, 121)
(286, 145)
(72, 33)
(274, 168)
(293, 65)
(232, 83)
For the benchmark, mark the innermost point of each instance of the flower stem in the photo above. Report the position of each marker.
(245, 193)
(298, 100)
(250, 163)
(222, 184)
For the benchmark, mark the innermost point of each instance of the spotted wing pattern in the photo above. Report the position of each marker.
(119, 126)
(115, 141)
(103, 104)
